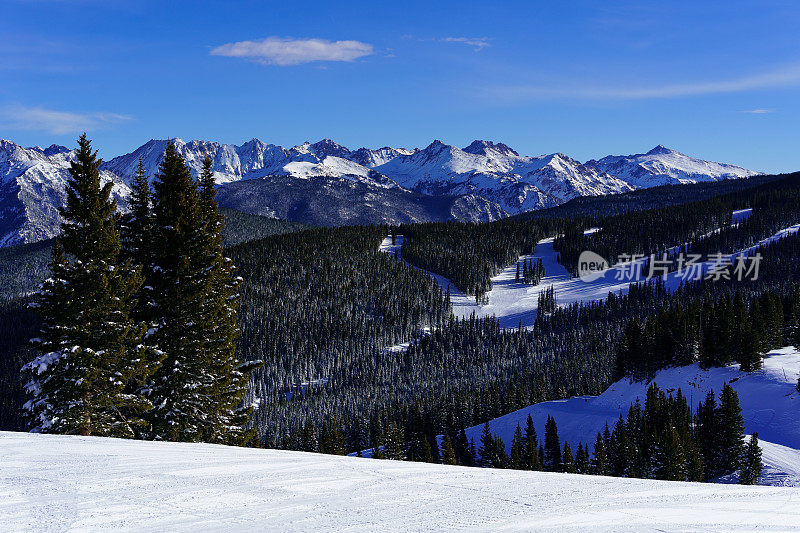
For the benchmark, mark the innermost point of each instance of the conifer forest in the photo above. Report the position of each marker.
(176, 320)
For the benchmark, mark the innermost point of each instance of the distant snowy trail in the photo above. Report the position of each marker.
(515, 303)
(59, 482)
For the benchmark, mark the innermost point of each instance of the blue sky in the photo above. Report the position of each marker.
(718, 80)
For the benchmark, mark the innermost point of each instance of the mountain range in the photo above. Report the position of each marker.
(329, 184)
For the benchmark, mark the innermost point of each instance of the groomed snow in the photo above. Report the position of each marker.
(58, 483)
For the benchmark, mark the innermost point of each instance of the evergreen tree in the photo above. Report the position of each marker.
(199, 390)
(567, 460)
(448, 454)
(600, 460)
(394, 445)
(532, 460)
(552, 446)
(731, 430)
(136, 238)
(516, 460)
(582, 462)
(93, 363)
(751, 462)
(492, 451)
(707, 434)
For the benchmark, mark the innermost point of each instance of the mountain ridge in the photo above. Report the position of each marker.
(490, 176)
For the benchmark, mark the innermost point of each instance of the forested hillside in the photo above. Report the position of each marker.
(322, 308)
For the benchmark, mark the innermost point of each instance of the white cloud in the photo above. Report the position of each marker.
(787, 76)
(478, 43)
(56, 122)
(759, 111)
(287, 51)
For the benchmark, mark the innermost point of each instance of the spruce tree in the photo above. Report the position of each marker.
(487, 450)
(552, 446)
(199, 390)
(394, 444)
(448, 454)
(600, 459)
(515, 459)
(731, 430)
(582, 462)
(93, 363)
(707, 435)
(136, 238)
(751, 462)
(532, 460)
(567, 460)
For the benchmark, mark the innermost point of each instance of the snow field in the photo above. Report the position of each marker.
(59, 482)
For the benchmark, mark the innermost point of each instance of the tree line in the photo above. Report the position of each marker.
(660, 440)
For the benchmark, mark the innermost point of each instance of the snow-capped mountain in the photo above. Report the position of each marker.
(662, 166)
(490, 176)
(496, 172)
(32, 182)
(253, 159)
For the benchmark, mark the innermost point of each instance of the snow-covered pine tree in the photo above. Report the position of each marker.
(394, 444)
(198, 390)
(229, 415)
(136, 237)
(93, 362)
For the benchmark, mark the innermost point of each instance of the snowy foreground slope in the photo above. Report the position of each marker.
(56, 483)
(769, 400)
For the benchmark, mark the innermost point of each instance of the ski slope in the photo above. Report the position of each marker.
(515, 303)
(769, 399)
(59, 482)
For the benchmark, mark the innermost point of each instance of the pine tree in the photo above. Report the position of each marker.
(731, 430)
(491, 450)
(516, 460)
(448, 454)
(600, 460)
(198, 391)
(93, 363)
(582, 462)
(394, 445)
(532, 460)
(552, 446)
(707, 434)
(567, 460)
(751, 462)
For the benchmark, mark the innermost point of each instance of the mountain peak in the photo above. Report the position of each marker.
(480, 147)
(435, 145)
(660, 149)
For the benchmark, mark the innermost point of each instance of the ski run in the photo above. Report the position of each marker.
(73, 483)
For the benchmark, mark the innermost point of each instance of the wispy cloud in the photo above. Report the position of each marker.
(56, 122)
(478, 43)
(287, 51)
(759, 111)
(787, 76)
